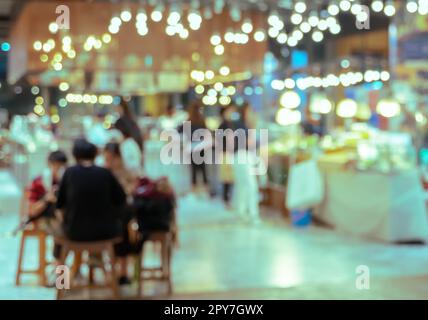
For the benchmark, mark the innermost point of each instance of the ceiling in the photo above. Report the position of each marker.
(9, 9)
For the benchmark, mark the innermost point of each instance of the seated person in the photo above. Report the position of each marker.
(113, 162)
(90, 198)
(43, 189)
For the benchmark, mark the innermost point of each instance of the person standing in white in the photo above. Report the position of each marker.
(246, 189)
(131, 147)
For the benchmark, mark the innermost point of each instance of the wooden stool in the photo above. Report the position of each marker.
(164, 270)
(92, 248)
(32, 231)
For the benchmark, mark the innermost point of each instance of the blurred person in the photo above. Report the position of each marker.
(168, 121)
(131, 154)
(225, 140)
(42, 193)
(128, 181)
(90, 198)
(196, 148)
(313, 123)
(170, 110)
(114, 162)
(42, 198)
(246, 191)
(172, 118)
(97, 133)
(127, 123)
(247, 117)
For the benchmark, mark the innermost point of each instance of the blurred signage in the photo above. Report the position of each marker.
(299, 59)
(172, 82)
(133, 82)
(411, 45)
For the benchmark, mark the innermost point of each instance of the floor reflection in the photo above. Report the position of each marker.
(221, 256)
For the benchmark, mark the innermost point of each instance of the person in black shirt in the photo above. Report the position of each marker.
(90, 197)
(197, 122)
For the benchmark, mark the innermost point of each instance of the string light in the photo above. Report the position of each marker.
(199, 89)
(347, 108)
(224, 71)
(259, 36)
(53, 27)
(333, 9)
(388, 108)
(331, 80)
(106, 38)
(297, 34)
(317, 36)
(345, 5)
(64, 86)
(305, 27)
(277, 85)
(247, 26)
(231, 90)
(215, 39)
(377, 5)
(39, 110)
(273, 32)
(313, 19)
(290, 99)
(157, 14)
(55, 118)
(35, 90)
(39, 100)
(282, 38)
(209, 100)
(126, 15)
(209, 74)
(300, 7)
(289, 83)
(218, 86)
(219, 50)
(287, 117)
(389, 9)
(37, 45)
(225, 100)
(194, 18)
(320, 104)
(296, 18)
(62, 103)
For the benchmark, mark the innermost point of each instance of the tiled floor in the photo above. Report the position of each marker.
(222, 257)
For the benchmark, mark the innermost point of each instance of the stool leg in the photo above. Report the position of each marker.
(113, 284)
(164, 257)
(137, 271)
(62, 259)
(20, 258)
(91, 275)
(42, 259)
(166, 263)
(77, 262)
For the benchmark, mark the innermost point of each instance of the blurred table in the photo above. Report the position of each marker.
(389, 207)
